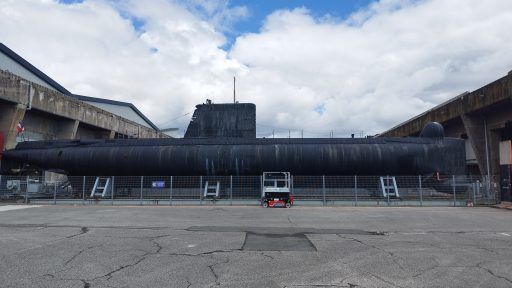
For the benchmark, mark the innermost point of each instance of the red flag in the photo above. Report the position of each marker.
(20, 127)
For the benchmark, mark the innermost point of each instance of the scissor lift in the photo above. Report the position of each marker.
(276, 190)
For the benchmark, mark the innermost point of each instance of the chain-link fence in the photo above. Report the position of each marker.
(246, 190)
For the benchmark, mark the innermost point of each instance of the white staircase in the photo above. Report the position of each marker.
(211, 190)
(388, 187)
(101, 187)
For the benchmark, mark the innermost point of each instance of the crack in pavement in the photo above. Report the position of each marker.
(142, 258)
(386, 281)
(83, 230)
(268, 256)
(84, 281)
(217, 283)
(393, 256)
(281, 230)
(79, 253)
(428, 269)
(203, 253)
(486, 249)
(158, 250)
(42, 226)
(479, 265)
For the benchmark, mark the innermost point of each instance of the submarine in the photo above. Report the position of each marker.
(221, 140)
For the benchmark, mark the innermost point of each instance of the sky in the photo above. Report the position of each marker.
(313, 68)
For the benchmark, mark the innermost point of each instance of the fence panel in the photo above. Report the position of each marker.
(13, 188)
(247, 187)
(187, 189)
(340, 189)
(307, 190)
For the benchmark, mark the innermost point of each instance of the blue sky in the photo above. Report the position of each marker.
(259, 10)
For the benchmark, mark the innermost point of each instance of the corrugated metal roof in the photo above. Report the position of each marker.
(32, 69)
(118, 103)
(25, 64)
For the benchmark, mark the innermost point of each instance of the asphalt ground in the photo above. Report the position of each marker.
(98, 246)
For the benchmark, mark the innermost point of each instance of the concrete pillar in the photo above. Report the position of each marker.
(10, 116)
(112, 134)
(476, 134)
(494, 151)
(68, 129)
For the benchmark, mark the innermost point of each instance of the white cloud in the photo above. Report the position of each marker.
(165, 67)
(382, 65)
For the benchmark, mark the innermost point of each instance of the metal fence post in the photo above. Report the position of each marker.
(474, 194)
(261, 188)
(54, 193)
(200, 188)
(323, 189)
(83, 191)
(231, 190)
(26, 191)
(387, 188)
(454, 197)
(291, 185)
(170, 193)
(421, 192)
(488, 188)
(112, 192)
(355, 186)
(141, 186)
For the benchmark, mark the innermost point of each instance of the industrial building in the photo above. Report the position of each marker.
(35, 107)
(484, 118)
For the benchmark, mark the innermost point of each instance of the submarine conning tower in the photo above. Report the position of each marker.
(230, 120)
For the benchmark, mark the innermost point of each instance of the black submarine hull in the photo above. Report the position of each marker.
(368, 156)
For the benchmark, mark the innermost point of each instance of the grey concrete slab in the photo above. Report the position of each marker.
(101, 246)
(277, 242)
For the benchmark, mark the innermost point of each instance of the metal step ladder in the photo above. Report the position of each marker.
(388, 186)
(211, 190)
(101, 187)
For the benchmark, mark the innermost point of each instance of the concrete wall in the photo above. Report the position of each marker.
(493, 94)
(47, 114)
(123, 111)
(483, 116)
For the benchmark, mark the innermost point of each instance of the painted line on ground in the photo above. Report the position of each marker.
(16, 207)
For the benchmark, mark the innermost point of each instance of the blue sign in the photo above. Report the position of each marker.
(158, 184)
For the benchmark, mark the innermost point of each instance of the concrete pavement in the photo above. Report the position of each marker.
(91, 246)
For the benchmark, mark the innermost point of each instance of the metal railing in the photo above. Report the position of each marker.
(455, 190)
